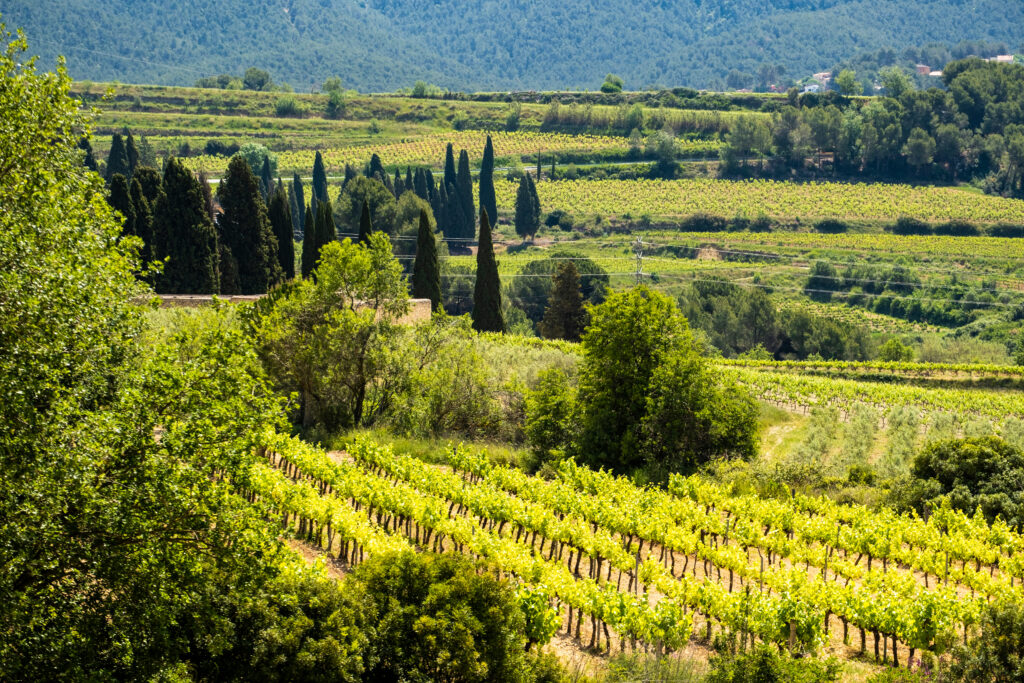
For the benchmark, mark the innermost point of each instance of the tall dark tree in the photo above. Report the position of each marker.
(365, 224)
(280, 214)
(117, 159)
(535, 200)
(450, 177)
(326, 231)
(455, 219)
(376, 170)
(132, 152)
(143, 228)
(565, 316)
(149, 179)
(299, 210)
(487, 315)
(350, 173)
(426, 270)
(246, 229)
(184, 235)
(420, 184)
(399, 184)
(204, 185)
(319, 182)
(488, 200)
(409, 182)
(309, 250)
(266, 181)
(527, 222)
(90, 158)
(465, 187)
(431, 186)
(120, 198)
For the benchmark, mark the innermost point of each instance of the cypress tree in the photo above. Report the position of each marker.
(365, 224)
(132, 152)
(184, 235)
(465, 188)
(525, 219)
(409, 182)
(117, 160)
(246, 229)
(399, 184)
(120, 198)
(350, 173)
(322, 233)
(143, 227)
(455, 219)
(90, 158)
(299, 215)
(564, 317)
(266, 181)
(431, 186)
(420, 185)
(535, 200)
(204, 185)
(319, 182)
(309, 252)
(488, 200)
(280, 214)
(450, 177)
(150, 180)
(426, 270)
(487, 316)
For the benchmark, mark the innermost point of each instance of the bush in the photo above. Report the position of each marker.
(766, 664)
(981, 472)
(961, 228)
(831, 226)
(894, 351)
(704, 222)
(437, 619)
(335, 104)
(216, 148)
(1006, 230)
(911, 226)
(998, 653)
(287, 105)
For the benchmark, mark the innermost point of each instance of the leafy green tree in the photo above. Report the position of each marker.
(565, 317)
(919, 149)
(895, 351)
(612, 84)
(426, 271)
(437, 619)
(331, 338)
(370, 192)
(847, 84)
(184, 234)
(247, 231)
(256, 79)
(280, 216)
(117, 159)
(365, 224)
(464, 184)
(984, 472)
(120, 199)
(552, 418)
(487, 315)
(532, 294)
(257, 155)
(895, 81)
(997, 653)
(488, 200)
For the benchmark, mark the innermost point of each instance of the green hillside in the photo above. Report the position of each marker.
(381, 45)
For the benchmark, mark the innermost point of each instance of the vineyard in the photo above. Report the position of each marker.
(776, 199)
(630, 567)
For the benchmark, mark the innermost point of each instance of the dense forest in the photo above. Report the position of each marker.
(388, 44)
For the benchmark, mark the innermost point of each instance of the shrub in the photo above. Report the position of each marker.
(831, 225)
(906, 225)
(894, 351)
(961, 228)
(287, 105)
(998, 654)
(766, 664)
(1006, 230)
(704, 222)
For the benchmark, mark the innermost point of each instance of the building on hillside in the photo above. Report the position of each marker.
(1001, 59)
(823, 77)
(812, 87)
(923, 69)
(936, 74)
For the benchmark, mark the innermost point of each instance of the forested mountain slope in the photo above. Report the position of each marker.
(496, 44)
